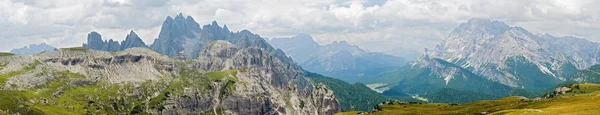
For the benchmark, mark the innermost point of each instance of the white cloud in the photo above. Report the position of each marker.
(377, 25)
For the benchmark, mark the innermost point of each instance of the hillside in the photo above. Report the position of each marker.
(582, 99)
(352, 97)
(589, 75)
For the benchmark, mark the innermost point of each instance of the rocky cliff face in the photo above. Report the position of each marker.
(243, 81)
(33, 49)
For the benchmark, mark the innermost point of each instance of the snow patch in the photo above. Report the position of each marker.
(419, 98)
(546, 70)
(448, 78)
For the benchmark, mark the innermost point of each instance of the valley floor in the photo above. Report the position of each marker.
(583, 99)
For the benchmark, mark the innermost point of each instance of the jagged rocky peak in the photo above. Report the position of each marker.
(184, 34)
(94, 41)
(174, 34)
(111, 45)
(214, 27)
(132, 40)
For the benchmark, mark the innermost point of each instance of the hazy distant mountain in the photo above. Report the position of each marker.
(32, 49)
(338, 59)
(301, 47)
(407, 53)
(94, 41)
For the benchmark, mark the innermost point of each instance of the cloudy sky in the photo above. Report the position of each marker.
(377, 25)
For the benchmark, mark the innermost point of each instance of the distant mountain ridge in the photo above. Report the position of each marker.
(33, 49)
(339, 59)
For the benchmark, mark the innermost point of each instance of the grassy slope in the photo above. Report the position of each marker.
(6, 54)
(584, 100)
(99, 97)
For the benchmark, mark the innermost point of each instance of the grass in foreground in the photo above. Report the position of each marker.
(6, 54)
(582, 100)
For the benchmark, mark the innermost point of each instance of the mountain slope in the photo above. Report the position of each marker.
(177, 87)
(499, 52)
(33, 49)
(428, 76)
(589, 75)
(247, 76)
(352, 97)
(338, 59)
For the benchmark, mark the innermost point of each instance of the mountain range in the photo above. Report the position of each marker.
(338, 59)
(32, 49)
(482, 54)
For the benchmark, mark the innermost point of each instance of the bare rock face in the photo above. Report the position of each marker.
(225, 79)
(271, 78)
